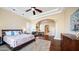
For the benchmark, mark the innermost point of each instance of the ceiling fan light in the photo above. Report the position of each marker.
(32, 9)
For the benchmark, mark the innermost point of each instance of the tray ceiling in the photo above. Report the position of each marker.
(46, 11)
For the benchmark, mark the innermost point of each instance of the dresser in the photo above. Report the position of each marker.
(69, 42)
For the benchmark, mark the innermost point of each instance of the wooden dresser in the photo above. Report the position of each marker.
(69, 42)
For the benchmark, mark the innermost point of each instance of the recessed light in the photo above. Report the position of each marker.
(32, 9)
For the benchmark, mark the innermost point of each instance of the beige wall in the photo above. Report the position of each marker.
(9, 20)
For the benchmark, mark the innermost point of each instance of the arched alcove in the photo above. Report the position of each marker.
(49, 24)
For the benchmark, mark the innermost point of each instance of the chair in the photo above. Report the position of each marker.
(42, 44)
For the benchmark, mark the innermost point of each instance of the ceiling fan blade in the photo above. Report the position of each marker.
(38, 10)
(28, 10)
(34, 13)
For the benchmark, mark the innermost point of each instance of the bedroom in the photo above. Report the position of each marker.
(17, 18)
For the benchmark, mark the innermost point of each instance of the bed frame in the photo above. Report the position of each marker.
(6, 30)
(18, 47)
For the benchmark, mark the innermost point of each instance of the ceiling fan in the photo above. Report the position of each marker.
(34, 9)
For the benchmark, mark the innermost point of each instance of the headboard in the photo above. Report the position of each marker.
(5, 30)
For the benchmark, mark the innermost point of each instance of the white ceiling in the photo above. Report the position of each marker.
(46, 11)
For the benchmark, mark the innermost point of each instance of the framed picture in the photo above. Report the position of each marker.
(75, 21)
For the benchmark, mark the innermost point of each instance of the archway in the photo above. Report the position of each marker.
(48, 26)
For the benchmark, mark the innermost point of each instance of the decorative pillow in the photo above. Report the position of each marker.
(12, 33)
(16, 32)
(8, 33)
(20, 32)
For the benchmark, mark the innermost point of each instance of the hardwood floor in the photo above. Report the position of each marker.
(55, 45)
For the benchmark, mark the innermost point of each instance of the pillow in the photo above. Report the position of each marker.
(16, 32)
(13, 33)
(8, 33)
(20, 32)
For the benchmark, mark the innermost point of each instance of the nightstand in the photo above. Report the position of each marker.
(0, 41)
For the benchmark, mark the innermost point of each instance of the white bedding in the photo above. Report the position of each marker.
(17, 40)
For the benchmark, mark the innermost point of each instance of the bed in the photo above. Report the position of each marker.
(15, 39)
